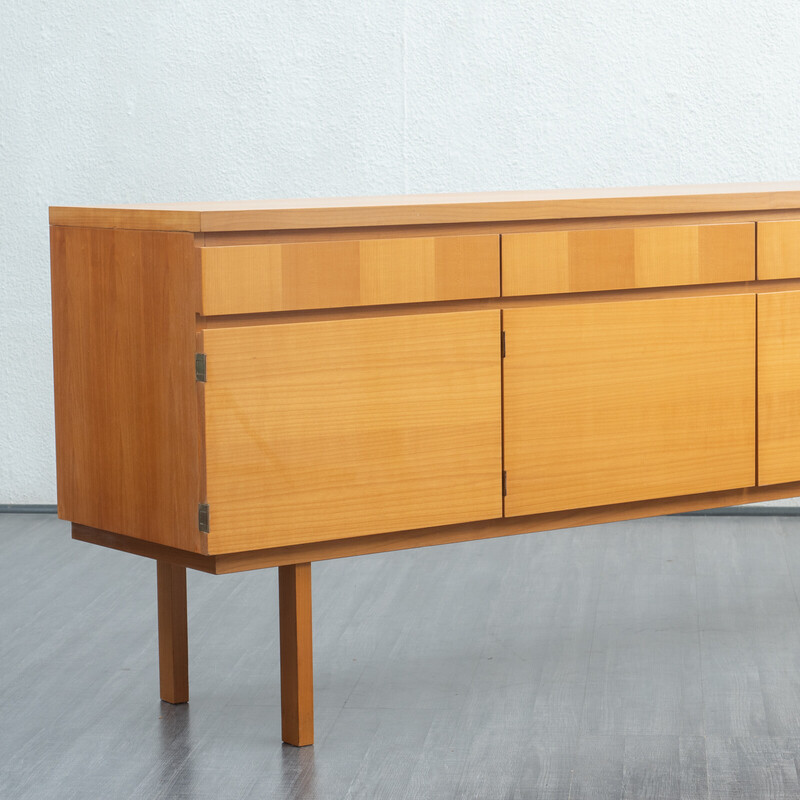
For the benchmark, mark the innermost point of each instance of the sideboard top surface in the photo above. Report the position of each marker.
(425, 209)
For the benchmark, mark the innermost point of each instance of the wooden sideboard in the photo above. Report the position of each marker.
(251, 385)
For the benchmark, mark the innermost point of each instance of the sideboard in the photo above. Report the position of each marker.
(268, 384)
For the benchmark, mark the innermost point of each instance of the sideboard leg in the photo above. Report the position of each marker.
(297, 669)
(173, 636)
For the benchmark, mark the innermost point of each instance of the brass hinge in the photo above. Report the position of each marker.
(505, 483)
(502, 344)
(200, 367)
(202, 517)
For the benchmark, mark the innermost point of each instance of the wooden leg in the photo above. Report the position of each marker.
(173, 637)
(297, 670)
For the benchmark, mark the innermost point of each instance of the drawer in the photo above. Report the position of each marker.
(627, 258)
(246, 279)
(779, 249)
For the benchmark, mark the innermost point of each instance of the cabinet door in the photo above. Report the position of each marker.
(623, 401)
(778, 387)
(325, 430)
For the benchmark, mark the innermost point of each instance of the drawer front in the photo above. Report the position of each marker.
(779, 249)
(246, 279)
(326, 430)
(627, 258)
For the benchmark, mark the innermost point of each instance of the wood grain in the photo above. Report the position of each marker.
(499, 303)
(344, 212)
(141, 547)
(617, 402)
(627, 258)
(173, 635)
(779, 249)
(328, 429)
(778, 387)
(125, 396)
(297, 666)
(231, 238)
(282, 277)
(225, 563)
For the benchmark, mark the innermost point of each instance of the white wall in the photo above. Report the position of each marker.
(104, 102)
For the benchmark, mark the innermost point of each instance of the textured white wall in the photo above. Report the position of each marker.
(151, 101)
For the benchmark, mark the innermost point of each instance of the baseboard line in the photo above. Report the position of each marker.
(744, 511)
(20, 508)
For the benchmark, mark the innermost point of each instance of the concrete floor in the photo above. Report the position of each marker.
(647, 659)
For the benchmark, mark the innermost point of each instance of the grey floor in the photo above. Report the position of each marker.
(646, 659)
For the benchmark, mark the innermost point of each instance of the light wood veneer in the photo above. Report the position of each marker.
(285, 277)
(322, 430)
(126, 403)
(779, 249)
(615, 402)
(248, 385)
(347, 212)
(778, 387)
(627, 258)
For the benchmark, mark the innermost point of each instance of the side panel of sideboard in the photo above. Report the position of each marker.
(125, 393)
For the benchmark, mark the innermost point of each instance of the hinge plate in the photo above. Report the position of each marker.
(200, 367)
(202, 517)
